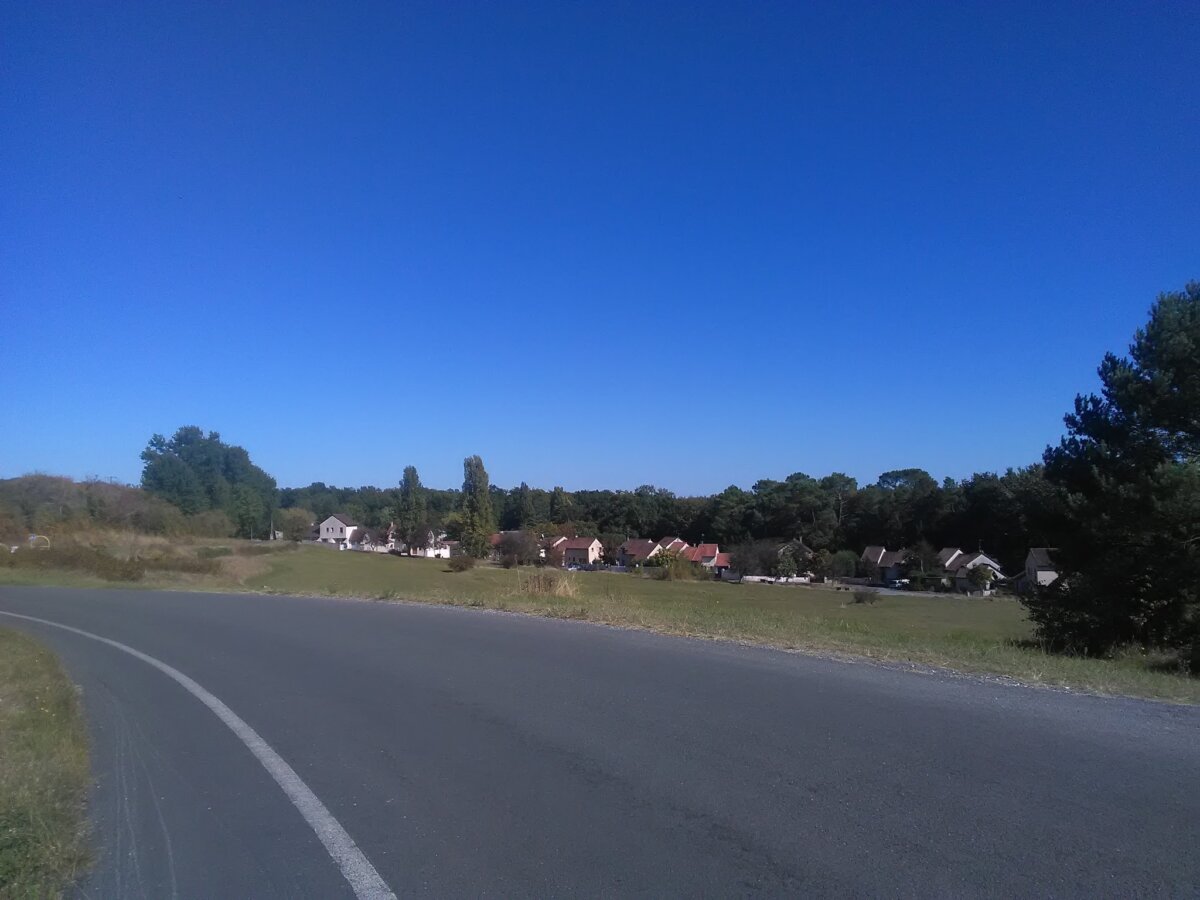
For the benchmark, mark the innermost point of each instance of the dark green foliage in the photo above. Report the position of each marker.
(765, 558)
(478, 522)
(412, 518)
(518, 548)
(1130, 469)
(197, 472)
(866, 595)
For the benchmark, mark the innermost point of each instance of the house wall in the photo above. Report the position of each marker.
(1040, 577)
(332, 531)
(584, 557)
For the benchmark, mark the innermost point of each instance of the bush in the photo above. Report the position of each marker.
(461, 563)
(862, 595)
(78, 558)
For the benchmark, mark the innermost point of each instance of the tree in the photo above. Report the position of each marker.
(295, 523)
(820, 564)
(411, 522)
(1130, 468)
(980, 577)
(198, 472)
(518, 548)
(477, 521)
(560, 506)
(845, 564)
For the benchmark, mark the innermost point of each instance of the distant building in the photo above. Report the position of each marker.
(704, 554)
(1040, 569)
(636, 551)
(888, 564)
(581, 551)
(338, 529)
(958, 565)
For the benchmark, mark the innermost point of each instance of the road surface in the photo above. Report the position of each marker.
(467, 753)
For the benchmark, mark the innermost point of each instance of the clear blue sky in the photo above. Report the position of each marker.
(598, 244)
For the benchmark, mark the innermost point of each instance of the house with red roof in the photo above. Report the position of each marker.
(704, 554)
(673, 545)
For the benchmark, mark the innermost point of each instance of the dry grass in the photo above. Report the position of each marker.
(43, 772)
(546, 583)
(245, 569)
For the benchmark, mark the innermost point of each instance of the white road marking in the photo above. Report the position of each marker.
(355, 866)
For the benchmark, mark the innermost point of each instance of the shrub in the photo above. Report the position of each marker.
(863, 595)
(461, 563)
(77, 558)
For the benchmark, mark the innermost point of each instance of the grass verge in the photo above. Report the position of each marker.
(43, 772)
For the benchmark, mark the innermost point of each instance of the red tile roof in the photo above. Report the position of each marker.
(721, 560)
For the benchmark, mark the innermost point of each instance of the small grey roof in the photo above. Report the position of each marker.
(344, 519)
(873, 554)
(1041, 557)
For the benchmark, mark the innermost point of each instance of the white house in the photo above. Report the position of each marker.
(581, 551)
(337, 529)
(958, 566)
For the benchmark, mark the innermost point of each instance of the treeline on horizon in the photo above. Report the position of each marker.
(1118, 497)
(1006, 514)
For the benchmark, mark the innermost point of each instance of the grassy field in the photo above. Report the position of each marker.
(970, 635)
(43, 772)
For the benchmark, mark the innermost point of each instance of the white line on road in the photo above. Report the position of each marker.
(355, 866)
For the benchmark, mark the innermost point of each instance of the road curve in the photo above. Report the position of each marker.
(485, 754)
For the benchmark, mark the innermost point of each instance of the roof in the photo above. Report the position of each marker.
(638, 548)
(946, 554)
(345, 520)
(701, 552)
(970, 560)
(580, 543)
(1041, 557)
(721, 561)
(873, 553)
(892, 558)
(673, 544)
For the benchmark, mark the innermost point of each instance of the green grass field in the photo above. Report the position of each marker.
(967, 634)
(43, 772)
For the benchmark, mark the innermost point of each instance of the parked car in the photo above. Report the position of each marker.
(898, 584)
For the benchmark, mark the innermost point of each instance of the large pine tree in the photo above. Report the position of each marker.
(1130, 466)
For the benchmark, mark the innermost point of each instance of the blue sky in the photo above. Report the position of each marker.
(598, 244)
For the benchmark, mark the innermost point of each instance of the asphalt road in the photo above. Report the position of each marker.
(480, 754)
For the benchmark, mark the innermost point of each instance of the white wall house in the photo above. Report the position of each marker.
(337, 529)
(581, 551)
